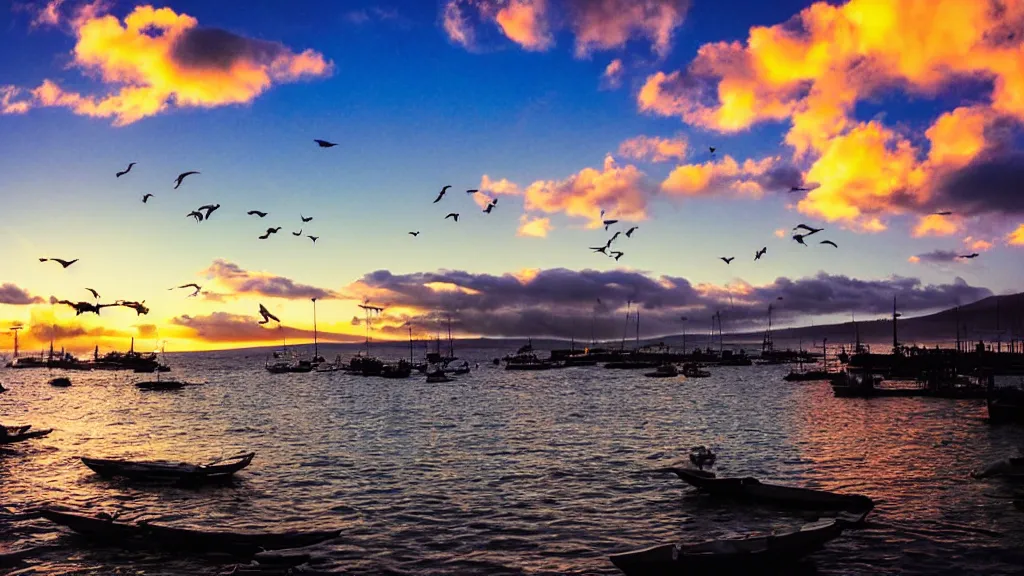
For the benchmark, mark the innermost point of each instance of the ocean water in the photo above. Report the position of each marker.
(504, 472)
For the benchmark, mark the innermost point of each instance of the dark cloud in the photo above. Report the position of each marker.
(226, 327)
(988, 185)
(938, 257)
(561, 303)
(58, 332)
(244, 282)
(15, 296)
(783, 178)
(213, 48)
(146, 330)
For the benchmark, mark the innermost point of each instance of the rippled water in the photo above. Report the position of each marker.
(506, 472)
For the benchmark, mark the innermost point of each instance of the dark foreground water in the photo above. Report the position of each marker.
(504, 472)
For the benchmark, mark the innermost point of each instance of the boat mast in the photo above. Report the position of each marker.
(451, 344)
(895, 340)
(410, 344)
(638, 327)
(720, 337)
(368, 309)
(316, 349)
(15, 330)
(625, 328)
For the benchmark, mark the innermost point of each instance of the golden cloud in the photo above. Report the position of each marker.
(533, 227)
(978, 244)
(654, 148)
(622, 191)
(523, 22)
(157, 59)
(491, 189)
(1016, 238)
(935, 225)
(718, 176)
(612, 76)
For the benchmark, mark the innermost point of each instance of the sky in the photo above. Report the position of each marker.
(879, 114)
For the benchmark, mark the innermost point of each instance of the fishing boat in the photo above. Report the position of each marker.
(1008, 468)
(802, 375)
(691, 370)
(438, 376)
(2, 389)
(165, 470)
(746, 555)
(664, 371)
(146, 534)
(60, 382)
(130, 360)
(754, 490)
(22, 433)
(161, 385)
(399, 370)
(526, 359)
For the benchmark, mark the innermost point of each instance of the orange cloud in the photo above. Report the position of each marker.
(49, 15)
(780, 233)
(241, 281)
(935, 225)
(978, 244)
(913, 260)
(491, 189)
(523, 22)
(620, 190)
(612, 77)
(654, 148)
(533, 227)
(1016, 238)
(8, 104)
(157, 59)
(721, 176)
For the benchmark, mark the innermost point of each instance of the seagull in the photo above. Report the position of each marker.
(761, 252)
(256, 213)
(969, 256)
(454, 215)
(313, 238)
(727, 260)
(177, 181)
(125, 171)
(195, 214)
(614, 236)
(944, 213)
(829, 242)
(712, 149)
(324, 143)
(267, 316)
(472, 191)
(441, 195)
(414, 233)
(83, 307)
(139, 307)
(193, 285)
(95, 294)
(299, 233)
(146, 197)
(489, 208)
(269, 232)
(809, 229)
(602, 214)
(304, 219)
(799, 189)
(209, 209)
(608, 223)
(64, 263)
(629, 233)
(799, 238)
(601, 249)
(616, 255)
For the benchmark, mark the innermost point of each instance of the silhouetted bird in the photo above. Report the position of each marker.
(601, 249)
(257, 213)
(269, 232)
(324, 143)
(616, 255)
(197, 288)
(441, 194)
(489, 208)
(968, 256)
(727, 260)
(95, 294)
(125, 171)
(146, 197)
(299, 233)
(304, 219)
(414, 233)
(712, 149)
(178, 180)
(267, 316)
(454, 215)
(629, 233)
(313, 238)
(829, 242)
(761, 252)
(809, 229)
(472, 191)
(83, 307)
(195, 214)
(799, 238)
(64, 263)
(614, 236)
(799, 189)
(139, 307)
(209, 209)
(602, 214)
(608, 223)
(944, 213)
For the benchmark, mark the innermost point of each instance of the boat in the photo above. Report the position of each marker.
(1008, 468)
(401, 369)
(130, 360)
(526, 359)
(60, 382)
(754, 490)
(694, 371)
(701, 456)
(438, 376)
(161, 385)
(151, 535)
(165, 470)
(23, 434)
(2, 389)
(746, 555)
(664, 371)
(807, 376)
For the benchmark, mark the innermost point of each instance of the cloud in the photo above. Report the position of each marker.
(374, 13)
(491, 189)
(157, 59)
(533, 227)
(8, 104)
(49, 14)
(978, 244)
(14, 296)
(223, 327)
(244, 282)
(813, 70)
(612, 77)
(622, 191)
(935, 225)
(596, 24)
(146, 331)
(987, 185)
(654, 148)
(751, 178)
(937, 257)
(552, 302)
(1016, 238)
(781, 233)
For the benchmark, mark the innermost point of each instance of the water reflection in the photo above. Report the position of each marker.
(508, 472)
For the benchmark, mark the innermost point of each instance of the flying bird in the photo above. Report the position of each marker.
(256, 213)
(799, 238)
(829, 242)
(608, 223)
(614, 236)
(944, 213)
(489, 208)
(712, 149)
(454, 215)
(602, 213)
(64, 263)
(269, 232)
(313, 238)
(442, 193)
(299, 233)
(629, 233)
(761, 252)
(84, 307)
(146, 197)
(267, 316)
(616, 255)
(195, 214)
(125, 171)
(178, 180)
(197, 288)
(139, 307)
(969, 256)
(601, 249)
(414, 233)
(727, 260)
(472, 191)
(304, 219)
(324, 143)
(95, 294)
(209, 209)
(799, 189)
(810, 230)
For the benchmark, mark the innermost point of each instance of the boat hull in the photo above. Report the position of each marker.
(751, 489)
(21, 437)
(168, 471)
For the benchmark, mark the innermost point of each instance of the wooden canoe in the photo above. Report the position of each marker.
(754, 490)
(752, 554)
(160, 385)
(164, 470)
(12, 438)
(147, 535)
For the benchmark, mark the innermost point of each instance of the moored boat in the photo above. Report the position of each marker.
(807, 376)
(164, 470)
(22, 434)
(60, 382)
(754, 490)
(161, 385)
(691, 370)
(664, 371)
(1008, 468)
(438, 376)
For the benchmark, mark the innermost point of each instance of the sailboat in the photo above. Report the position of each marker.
(285, 362)
(801, 375)
(160, 384)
